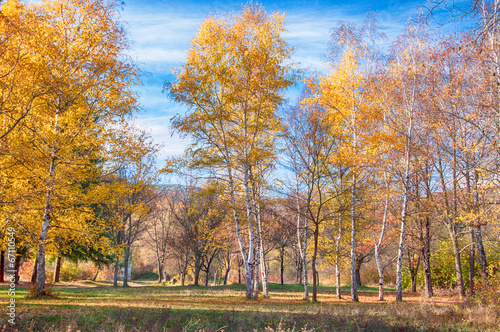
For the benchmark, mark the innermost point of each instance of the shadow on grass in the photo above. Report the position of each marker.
(136, 318)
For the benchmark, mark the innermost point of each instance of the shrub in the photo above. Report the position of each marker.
(47, 290)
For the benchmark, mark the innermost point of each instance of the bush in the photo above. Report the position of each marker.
(47, 290)
(488, 291)
(144, 275)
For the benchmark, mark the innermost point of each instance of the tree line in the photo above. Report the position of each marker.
(389, 154)
(393, 149)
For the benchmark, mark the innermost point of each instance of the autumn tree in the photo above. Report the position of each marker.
(309, 146)
(78, 86)
(354, 117)
(232, 83)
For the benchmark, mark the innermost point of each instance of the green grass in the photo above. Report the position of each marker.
(100, 307)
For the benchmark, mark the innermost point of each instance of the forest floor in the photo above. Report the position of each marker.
(146, 306)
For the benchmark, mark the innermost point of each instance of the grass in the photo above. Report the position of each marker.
(146, 306)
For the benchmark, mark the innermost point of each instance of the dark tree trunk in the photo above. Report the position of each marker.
(2, 266)
(426, 259)
(34, 272)
(239, 275)
(198, 262)
(226, 275)
(160, 269)
(313, 263)
(282, 267)
(472, 259)
(358, 277)
(126, 266)
(183, 279)
(298, 276)
(57, 270)
(482, 253)
(207, 277)
(115, 276)
(413, 271)
(456, 254)
(17, 264)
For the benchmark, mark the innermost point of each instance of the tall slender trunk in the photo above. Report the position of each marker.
(57, 270)
(2, 265)
(17, 265)
(159, 262)
(426, 259)
(246, 259)
(482, 253)
(337, 256)
(302, 246)
(380, 270)
(478, 235)
(116, 273)
(399, 282)
(472, 260)
(34, 272)
(263, 269)
(41, 276)
(456, 255)
(126, 266)
(282, 264)
(413, 271)
(354, 283)
(313, 263)
(256, 277)
(378, 245)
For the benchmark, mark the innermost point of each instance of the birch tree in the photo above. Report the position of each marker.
(232, 83)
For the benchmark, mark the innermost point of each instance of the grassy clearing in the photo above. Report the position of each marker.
(149, 307)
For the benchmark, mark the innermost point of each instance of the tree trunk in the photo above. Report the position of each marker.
(302, 248)
(40, 258)
(246, 260)
(413, 272)
(337, 275)
(207, 277)
(117, 268)
(380, 270)
(17, 265)
(2, 265)
(256, 277)
(426, 259)
(239, 275)
(313, 263)
(57, 270)
(298, 270)
(34, 272)
(354, 289)
(198, 262)
(126, 266)
(337, 255)
(472, 259)
(226, 275)
(160, 268)
(456, 254)
(183, 278)
(263, 269)
(282, 265)
(482, 253)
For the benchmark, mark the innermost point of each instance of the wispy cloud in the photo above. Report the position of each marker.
(161, 32)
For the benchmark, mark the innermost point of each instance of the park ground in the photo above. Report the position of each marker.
(147, 306)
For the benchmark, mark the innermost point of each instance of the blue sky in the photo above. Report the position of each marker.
(162, 30)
